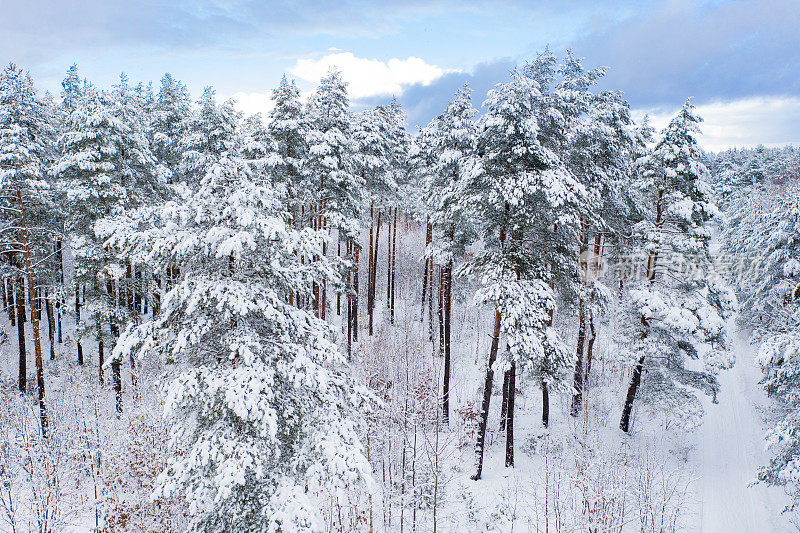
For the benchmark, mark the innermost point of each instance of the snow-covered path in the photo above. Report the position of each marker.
(730, 450)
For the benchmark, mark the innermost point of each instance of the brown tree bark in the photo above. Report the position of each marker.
(51, 325)
(394, 267)
(487, 384)
(504, 402)
(636, 377)
(373, 276)
(578, 374)
(425, 273)
(60, 260)
(487, 397)
(389, 244)
(37, 341)
(19, 300)
(512, 372)
(349, 300)
(356, 296)
(440, 311)
(77, 323)
(447, 311)
(12, 304)
(545, 391)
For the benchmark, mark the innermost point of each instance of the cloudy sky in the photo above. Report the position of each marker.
(737, 58)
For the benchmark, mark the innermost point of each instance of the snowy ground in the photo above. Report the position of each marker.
(729, 451)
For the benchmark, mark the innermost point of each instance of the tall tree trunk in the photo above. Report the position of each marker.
(426, 273)
(590, 318)
(355, 297)
(37, 341)
(19, 299)
(23, 316)
(636, 377)
(394, 267)
(349, 295)
(5, 296)
(389, 244)
(370, 265)
(100, 353)
(51, 325)
(77, 323)
(504, 401)
(116, 374)
(339, 294)
(440, 312)
(487, 396)
(316, 288)
(60, 259)
(545, 391)
(589, 348)
(431, 277)
(487, 384)
(371, 300)
(156, 294)
(578, 375)
(12, 304)
(545, 405)
(448, 276)
(512, 372)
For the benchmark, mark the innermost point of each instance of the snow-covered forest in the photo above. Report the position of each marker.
(532, 314)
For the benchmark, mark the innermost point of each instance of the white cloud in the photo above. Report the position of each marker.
(252, 103)
(771, 121)
(370, 77)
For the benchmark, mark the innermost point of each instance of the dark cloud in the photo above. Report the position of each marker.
(423, 102)
(727, 50)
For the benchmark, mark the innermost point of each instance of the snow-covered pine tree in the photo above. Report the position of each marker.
(451, 144)
(287, 127)
(335, 192)
(171, 111)
(373, 164)
(398, 144)
(527, 208)
(677, 312)
(71, 88)
(591, 134)
(104, 167)
(207, 134)
(773, 305)
(261, 405)
(25, 137)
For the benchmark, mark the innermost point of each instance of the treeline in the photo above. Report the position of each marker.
(220, 243)
(758, 190)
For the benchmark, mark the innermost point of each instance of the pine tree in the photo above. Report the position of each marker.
(260, 404)
(334, 191)
(207, 134)
(25, 135)
(451, 145)
(171, 111)
(527, 205)
(775, 301)
(105, 167)
(677, 315)
(287, 128)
